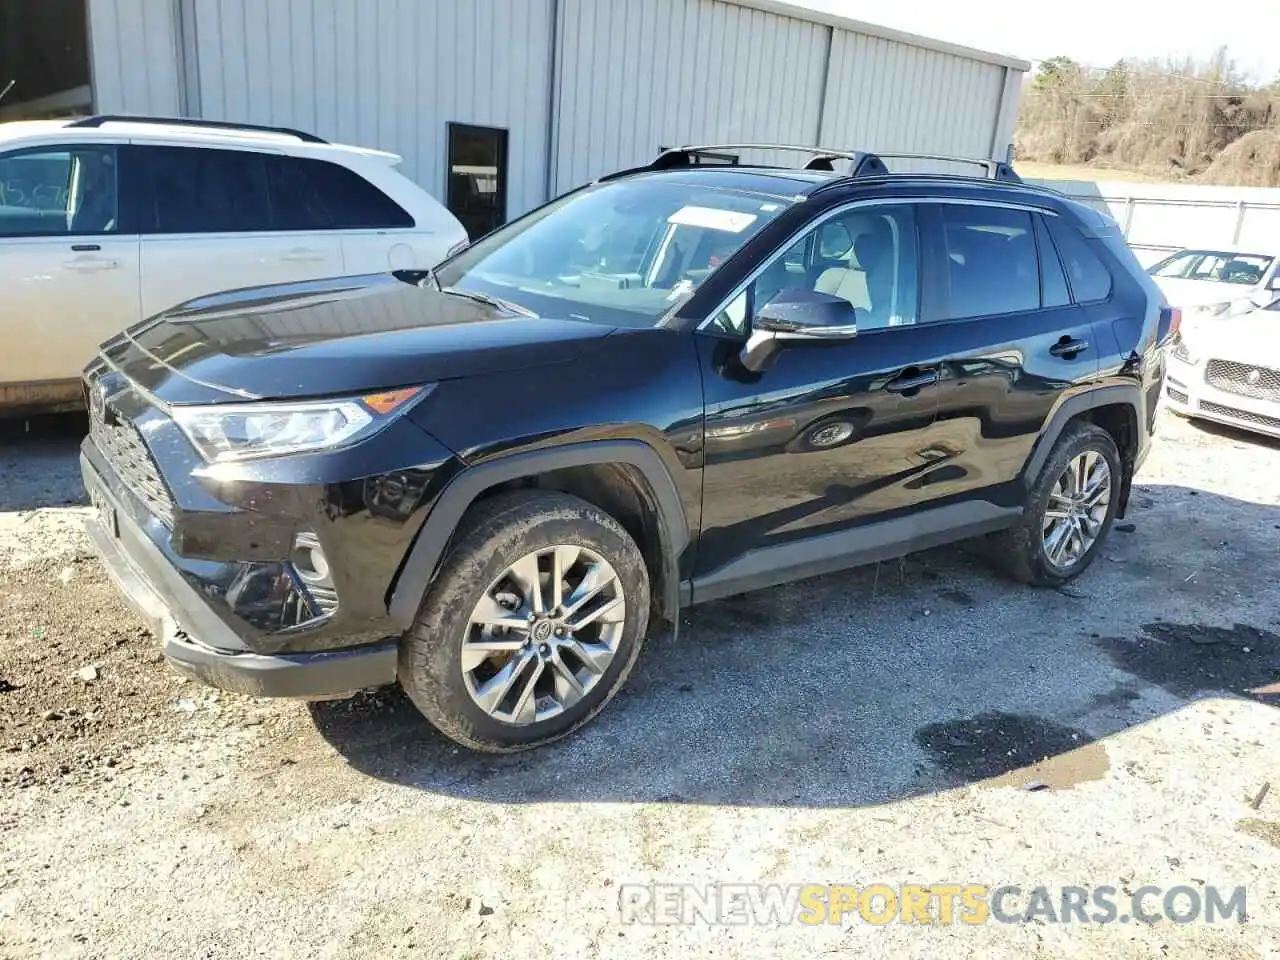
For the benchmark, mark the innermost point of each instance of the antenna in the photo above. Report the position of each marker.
(5, 91)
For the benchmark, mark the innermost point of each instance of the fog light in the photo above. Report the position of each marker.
(312, 567)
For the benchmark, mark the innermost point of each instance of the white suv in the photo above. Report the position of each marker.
(107, 220)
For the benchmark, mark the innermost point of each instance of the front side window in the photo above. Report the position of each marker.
(624, 252)
(991, 261)
(58, 192)
(867, 256)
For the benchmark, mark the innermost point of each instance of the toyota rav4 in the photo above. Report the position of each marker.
(490, 481)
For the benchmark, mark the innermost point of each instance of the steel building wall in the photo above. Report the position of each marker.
(134, 56)
(384, 73)
(634, 75)
(887, 96)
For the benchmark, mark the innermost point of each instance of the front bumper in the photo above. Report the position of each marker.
(196, 641)
(1186, 393)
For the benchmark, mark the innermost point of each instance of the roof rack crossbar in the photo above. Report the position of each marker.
(98, 121)
(995, 169)
(864, 164)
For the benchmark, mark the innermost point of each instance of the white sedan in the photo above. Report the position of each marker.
(1227, 368)
(1210, 282)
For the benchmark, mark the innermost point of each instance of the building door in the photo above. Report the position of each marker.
(477, 193)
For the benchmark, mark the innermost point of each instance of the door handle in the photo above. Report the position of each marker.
(302, 255)
(90, 264)
(1067, 347)
(915, 381)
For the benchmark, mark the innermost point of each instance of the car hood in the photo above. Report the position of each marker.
(1191, 293)
(336, 337)
(1252, 338)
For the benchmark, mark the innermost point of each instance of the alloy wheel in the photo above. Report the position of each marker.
(543, 634)
(1077, 509)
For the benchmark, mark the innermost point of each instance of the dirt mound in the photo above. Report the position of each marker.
(1251, 161)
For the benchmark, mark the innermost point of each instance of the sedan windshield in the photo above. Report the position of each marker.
(624, 253)
(1216, 266)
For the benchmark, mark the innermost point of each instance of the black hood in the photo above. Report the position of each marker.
(335, 337)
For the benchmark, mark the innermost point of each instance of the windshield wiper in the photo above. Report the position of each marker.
(488, 300)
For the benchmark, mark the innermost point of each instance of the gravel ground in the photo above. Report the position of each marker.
(916, 722)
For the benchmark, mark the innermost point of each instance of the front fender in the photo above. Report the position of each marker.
(437, 530)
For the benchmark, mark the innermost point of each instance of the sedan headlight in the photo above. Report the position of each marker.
(248, 431)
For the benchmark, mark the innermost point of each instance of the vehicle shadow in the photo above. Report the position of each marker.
(894, 680)
(1236, 434)
(40, 462)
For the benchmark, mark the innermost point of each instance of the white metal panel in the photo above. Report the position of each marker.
(134, 56)
(640, 74)
(386, 73)
(888, 96)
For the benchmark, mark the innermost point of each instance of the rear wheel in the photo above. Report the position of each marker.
(531, 627)
(1068, 512)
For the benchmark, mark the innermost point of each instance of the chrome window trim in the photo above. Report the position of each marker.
(854, 205)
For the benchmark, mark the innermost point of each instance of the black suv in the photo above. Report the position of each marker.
(678, 383)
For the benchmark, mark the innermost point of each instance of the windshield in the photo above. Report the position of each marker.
(623, 253)
(1217, 266)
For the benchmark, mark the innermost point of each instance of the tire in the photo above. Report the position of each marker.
(1022, 549)
(495, 535)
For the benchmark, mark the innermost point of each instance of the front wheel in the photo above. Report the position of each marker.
(532, 625)
(1068, 512)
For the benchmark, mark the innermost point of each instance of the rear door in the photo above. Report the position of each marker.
(214, 223)
(68, 264)
(1018, 343)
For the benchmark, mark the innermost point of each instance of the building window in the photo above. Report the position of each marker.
(477, 193)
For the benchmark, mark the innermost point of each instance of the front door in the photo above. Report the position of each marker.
(834, 434)
(69, 276)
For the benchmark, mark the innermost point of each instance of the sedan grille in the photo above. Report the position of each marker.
(1244, 379)
(1245, 415)
(128, 455)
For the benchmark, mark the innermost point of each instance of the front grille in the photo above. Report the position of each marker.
(124, 449)
(1176, 395)
(1262, 421)
(1244, 379)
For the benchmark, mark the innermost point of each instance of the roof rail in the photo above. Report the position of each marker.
(98, 121)
(995, 169)
(864, 164)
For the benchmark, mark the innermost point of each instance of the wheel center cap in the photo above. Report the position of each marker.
(541, 631)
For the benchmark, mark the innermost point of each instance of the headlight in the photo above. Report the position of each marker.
(1207, 310)
(247, 431)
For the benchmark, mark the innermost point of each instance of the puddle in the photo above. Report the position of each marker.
(1187, 659)
(1016, 748)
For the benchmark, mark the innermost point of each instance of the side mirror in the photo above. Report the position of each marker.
(795, 315)
(1275, 282)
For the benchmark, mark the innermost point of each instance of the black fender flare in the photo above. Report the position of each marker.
(437, 530)
(1071, 408)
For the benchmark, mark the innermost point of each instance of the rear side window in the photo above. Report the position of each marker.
(1088, 277)
(1053, 281)
(295, 203)
(991, 261)
(351, 201)
(196, 190)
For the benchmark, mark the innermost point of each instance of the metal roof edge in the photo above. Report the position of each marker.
(796, 12)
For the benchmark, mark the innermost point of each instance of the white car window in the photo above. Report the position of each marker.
(58, 191)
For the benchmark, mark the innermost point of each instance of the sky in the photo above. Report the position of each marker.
(1094, 32)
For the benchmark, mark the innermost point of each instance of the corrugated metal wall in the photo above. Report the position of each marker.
(134, 56)
(889, 96)
(631, 75)
(640, 74)
(387, 74)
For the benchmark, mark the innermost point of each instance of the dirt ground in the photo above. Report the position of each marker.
(916, 722)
